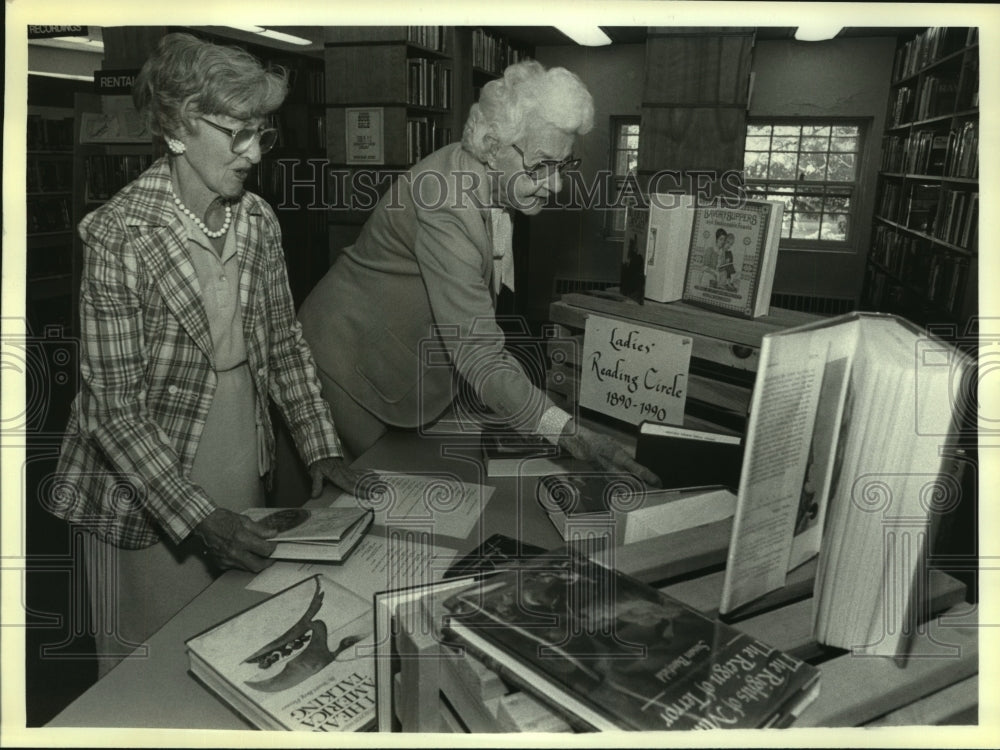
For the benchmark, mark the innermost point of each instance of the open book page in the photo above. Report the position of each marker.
(811, 513)
(861, 412)
(782, 416)
(443, 501)
(377, 564)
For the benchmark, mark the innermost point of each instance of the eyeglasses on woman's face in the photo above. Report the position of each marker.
(545, 168)
(243, 138)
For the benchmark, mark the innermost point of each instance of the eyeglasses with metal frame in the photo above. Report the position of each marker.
(546, 167)
(243, 138)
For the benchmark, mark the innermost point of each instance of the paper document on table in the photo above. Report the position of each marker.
(377, 564)
(442, 502)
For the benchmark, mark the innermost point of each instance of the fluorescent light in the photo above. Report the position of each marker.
(282, 37)
(279, 36)
(588, 36)
(70, 76)
(70, 42)
(817, 32)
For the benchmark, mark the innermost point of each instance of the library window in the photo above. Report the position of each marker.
(624, 159)
(812, 167)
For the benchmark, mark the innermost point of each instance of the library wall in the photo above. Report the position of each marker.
(570, 243)
(837, 78)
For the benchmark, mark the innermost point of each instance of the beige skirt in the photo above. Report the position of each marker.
(134, 592)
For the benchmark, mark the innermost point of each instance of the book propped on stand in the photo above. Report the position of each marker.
(732, 257)
(849, 455)
(606, 652)
(300, 660)
(625, 509)
(321, 534)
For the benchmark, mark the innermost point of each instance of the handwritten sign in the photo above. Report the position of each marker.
(634, 373)
(365, 136)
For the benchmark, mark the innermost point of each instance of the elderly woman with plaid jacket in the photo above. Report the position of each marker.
(188, 328)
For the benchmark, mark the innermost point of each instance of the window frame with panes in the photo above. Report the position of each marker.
(807, 190)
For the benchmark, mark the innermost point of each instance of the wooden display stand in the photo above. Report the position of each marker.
(724, 355)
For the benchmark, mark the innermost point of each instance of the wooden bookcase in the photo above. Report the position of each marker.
(422, 81)
(50, 263)
(923, 263)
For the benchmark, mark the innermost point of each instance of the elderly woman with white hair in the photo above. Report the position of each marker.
(413, 301)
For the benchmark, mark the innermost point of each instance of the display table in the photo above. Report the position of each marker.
(155, 690)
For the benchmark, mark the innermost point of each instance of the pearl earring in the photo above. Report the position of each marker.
(176, 146)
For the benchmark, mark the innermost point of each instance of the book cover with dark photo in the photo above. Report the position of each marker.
(613, 653)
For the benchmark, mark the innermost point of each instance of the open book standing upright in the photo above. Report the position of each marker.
(843, 457)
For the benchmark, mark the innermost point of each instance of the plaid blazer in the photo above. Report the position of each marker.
(146, 365)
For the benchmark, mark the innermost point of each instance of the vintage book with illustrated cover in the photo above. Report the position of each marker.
(608, 652)
(623, 507)
(732, 257)
(300, 660)
(326, 534)
(846, 455)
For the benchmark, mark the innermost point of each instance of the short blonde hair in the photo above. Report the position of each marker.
(185, 71)
(525, 96)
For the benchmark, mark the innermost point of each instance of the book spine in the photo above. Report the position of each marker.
(517, 679)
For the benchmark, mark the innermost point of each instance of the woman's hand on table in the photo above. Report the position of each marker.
(235, 541)
(338, 473)
(603, 452)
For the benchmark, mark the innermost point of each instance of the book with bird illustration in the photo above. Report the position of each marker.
(299, 660)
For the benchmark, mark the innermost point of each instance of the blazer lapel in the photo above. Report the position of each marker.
(251, 256)
(159, 235)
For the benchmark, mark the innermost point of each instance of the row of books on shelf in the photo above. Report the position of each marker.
(429, 83)
(106, 174)
(316, 92)
(929, 46)
(49, 214)
(493, 52)
(957, 219)
(934, 152)
(50, 174)
(423, 137)
(940, 277)
(49, 133)
(950, 215)
(431, 37)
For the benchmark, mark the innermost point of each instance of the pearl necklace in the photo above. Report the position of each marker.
(190, 214)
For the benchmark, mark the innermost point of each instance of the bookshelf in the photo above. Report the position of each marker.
(924, 254)
(416, 84)
(49, 258)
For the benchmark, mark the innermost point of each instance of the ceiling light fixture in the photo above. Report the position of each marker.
(817, 32)
(279, 36)
(70, 42)
(588, 36)
(68, 76)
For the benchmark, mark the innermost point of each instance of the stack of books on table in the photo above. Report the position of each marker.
(572, 645)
